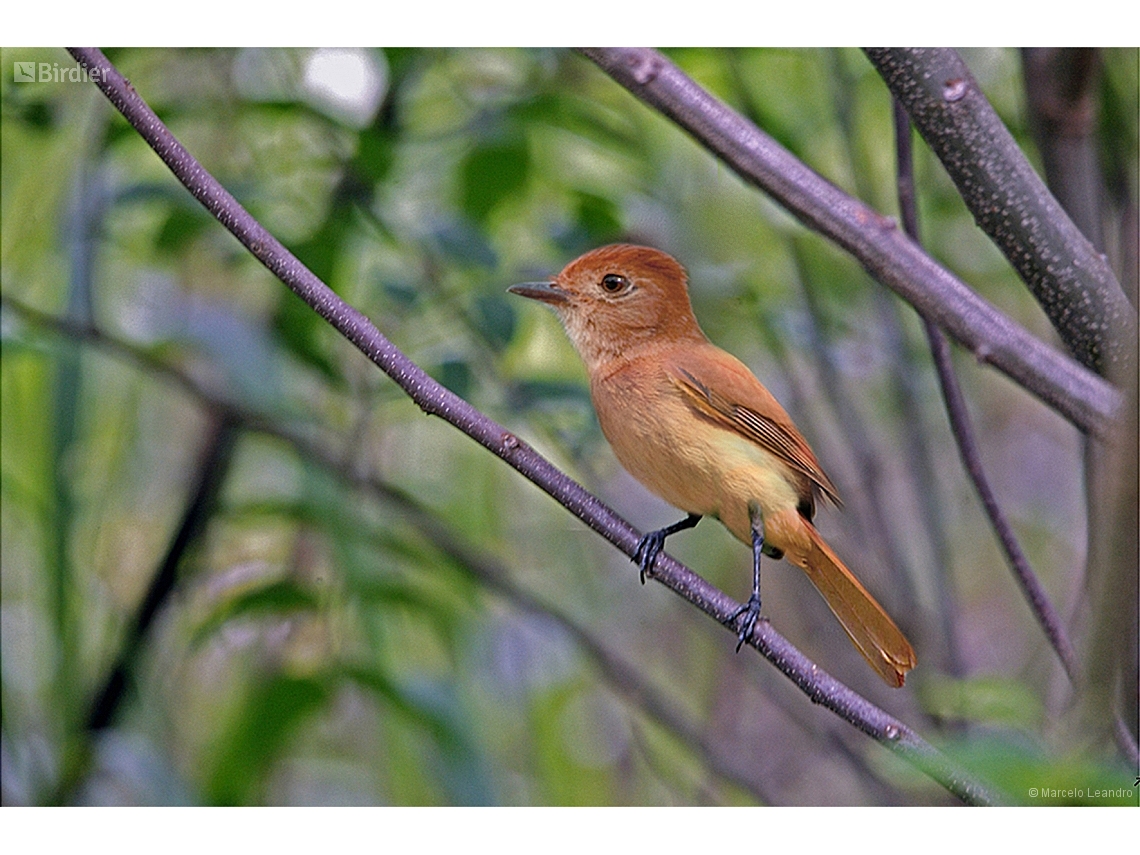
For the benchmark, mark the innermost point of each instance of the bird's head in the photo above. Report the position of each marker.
(617, 300)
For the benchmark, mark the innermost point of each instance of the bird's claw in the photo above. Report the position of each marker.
(751, 613)
(651, 544)
(647, 551)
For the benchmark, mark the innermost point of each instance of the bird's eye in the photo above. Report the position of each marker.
(612, 283)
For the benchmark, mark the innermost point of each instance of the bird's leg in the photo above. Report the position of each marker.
(751, 609)
(651, 544)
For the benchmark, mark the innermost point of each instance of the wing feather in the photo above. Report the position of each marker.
(775, 434)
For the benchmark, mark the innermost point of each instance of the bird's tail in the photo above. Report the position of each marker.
(870, 628)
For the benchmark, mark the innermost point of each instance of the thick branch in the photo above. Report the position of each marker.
(434, 399)
(887, 254)
(1070, 279)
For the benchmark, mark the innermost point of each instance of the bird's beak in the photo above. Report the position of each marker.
(547, 292)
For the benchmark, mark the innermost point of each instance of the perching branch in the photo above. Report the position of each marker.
(1070, 279)
(887, 254)
(618, 674)
(434, 399)
(963, 431)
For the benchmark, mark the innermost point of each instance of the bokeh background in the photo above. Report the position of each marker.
(376, 610)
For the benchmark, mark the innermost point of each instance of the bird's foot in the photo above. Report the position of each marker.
(651, 544)
(749, 613)
(648, 548)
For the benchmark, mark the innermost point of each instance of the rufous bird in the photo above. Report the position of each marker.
(694, 425)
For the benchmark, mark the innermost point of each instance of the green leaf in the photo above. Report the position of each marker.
(455, 374)
(599, 217)
(390, 694)
(1030, 776)
(375, 155)
(258, 736)
(496, 318)
(490, 175)
(182, 226)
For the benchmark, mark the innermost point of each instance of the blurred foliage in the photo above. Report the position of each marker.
(337, 641)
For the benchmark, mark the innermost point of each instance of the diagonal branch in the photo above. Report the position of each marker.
(963, 432)
(617, 673)
(1070, 279)
(614, 670)
(212, 470)
(434, 399)
(890, 256)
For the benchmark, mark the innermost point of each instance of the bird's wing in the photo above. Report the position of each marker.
(720, 387)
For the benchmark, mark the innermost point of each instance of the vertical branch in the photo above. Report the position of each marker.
(867, 460)
(1061, 87)
(963, 432)
(920, 468)
(1063, 95)
(1109, 652)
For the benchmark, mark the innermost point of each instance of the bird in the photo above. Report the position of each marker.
(696, 427)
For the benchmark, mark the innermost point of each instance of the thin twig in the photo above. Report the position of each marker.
(904, 386)
(960, 425)
(874, 240)
(434, 399)
(871, 503)
(212, 470)
(867, 503)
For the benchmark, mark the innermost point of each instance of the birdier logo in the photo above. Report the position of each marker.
(53, 72)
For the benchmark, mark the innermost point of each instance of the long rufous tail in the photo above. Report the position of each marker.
(870, 628)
